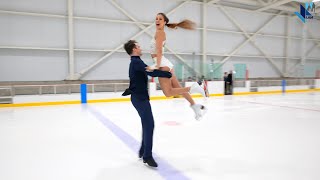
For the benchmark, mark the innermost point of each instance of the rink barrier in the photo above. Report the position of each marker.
(215, 88)
(277, 92)
(90, 101)
(83, 93)
(283, 84)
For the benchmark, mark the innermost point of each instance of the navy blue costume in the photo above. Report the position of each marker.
(140, 99)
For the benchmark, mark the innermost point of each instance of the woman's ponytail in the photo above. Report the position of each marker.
(185, 24)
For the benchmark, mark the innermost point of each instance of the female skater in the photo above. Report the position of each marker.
(172, 87)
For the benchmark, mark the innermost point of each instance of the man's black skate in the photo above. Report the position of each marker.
(150, 162)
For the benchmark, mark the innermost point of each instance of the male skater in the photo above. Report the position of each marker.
(138, 89)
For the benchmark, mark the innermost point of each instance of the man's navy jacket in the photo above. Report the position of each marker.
(139, 79)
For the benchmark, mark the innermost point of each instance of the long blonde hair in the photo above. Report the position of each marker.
(185, 24)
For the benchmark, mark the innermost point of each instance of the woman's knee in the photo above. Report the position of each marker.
(167, 92)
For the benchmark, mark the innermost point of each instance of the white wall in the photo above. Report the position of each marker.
(26, 65)
(49, 32)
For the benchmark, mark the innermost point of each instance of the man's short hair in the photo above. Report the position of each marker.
(128, 46)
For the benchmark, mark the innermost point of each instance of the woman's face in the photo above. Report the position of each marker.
(160, 21)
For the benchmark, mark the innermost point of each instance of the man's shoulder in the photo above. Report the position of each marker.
(135, 60)
(138, 62)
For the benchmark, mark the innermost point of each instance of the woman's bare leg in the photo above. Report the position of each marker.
(166, 86)
(172, 87)
(176, 84)
(167, 89)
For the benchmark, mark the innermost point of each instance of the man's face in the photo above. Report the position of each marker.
(137, 50)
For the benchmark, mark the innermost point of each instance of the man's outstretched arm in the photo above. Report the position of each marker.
(158, 73)
(141, 66)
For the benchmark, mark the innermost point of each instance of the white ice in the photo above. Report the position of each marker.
(257, 137)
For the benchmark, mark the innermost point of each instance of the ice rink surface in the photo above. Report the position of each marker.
(257, 137)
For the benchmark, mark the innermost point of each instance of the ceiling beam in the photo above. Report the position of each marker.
(272, 5)
(258, 4)
(213, 1)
